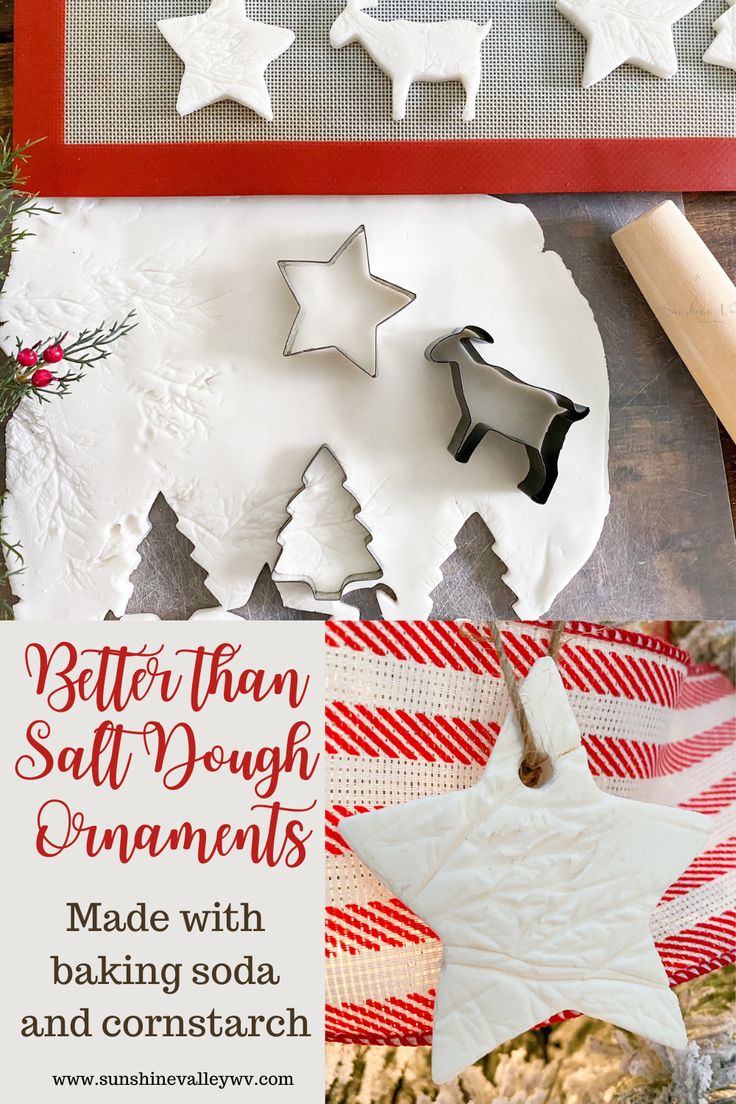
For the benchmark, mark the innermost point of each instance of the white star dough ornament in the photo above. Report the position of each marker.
(342, 304)
(226, 55)
(722, 51)
(621, 31)
(541, 898)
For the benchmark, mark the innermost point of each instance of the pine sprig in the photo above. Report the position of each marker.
(11, 563)
(89, 347)
(38, 370)
(93, 345)
(15, 202)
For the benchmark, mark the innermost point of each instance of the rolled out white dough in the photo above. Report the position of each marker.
(200, 404)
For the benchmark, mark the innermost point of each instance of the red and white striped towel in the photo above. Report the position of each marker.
(414, 708)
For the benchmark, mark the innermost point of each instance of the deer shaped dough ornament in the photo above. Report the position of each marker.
(492, 399)
(408, 51)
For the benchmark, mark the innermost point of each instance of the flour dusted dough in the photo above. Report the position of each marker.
(201, 405)
(541, 898)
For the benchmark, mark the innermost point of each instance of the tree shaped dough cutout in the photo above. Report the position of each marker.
(164, 582)
(324, 544)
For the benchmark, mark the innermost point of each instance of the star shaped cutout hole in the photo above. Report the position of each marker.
(722, 50)
(541, 897)
(342, 304)
(225, 55)
(619, 31)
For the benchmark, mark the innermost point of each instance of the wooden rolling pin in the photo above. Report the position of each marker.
(692, 297)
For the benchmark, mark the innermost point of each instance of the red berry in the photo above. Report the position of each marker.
(27, 358)
(42, 378)
(53, 354)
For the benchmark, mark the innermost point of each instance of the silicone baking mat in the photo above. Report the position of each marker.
(107, 103)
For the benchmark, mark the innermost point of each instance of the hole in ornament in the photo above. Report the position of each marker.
(324, 544)
(168, 582)
(536, 777)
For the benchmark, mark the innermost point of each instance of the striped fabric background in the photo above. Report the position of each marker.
(414, 708)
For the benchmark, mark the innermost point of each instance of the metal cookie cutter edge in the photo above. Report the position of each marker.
(541, 478)
(368, 576)
(297, 323)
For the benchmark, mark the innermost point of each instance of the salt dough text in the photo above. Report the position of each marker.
(114, 677)
(174, 756)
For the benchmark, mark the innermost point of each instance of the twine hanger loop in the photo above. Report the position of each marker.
(535, 768)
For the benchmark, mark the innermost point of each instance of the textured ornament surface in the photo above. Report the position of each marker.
(619, 31)
(202, 406)
(411, 51)
(722, 50)
(226, 55)
(541, 898)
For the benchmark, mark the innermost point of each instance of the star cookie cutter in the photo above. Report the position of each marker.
(490, 401)
(358, 235)
(324, 593)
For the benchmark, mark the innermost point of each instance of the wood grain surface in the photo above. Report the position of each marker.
(6, 64)
(712, 215)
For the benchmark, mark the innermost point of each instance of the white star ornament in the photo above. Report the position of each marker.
(621, 31)
(541, 898)
(225, 55)
(722, 51)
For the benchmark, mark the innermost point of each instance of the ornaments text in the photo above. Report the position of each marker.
(273, 821)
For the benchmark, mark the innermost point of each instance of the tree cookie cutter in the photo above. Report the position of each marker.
(493, 400)
(322, 592)
(358, 241)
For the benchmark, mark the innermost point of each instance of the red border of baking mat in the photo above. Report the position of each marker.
(331, 168)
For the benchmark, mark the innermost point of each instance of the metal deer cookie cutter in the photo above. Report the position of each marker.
(337, 274)
(492, 399)
(335, 513)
